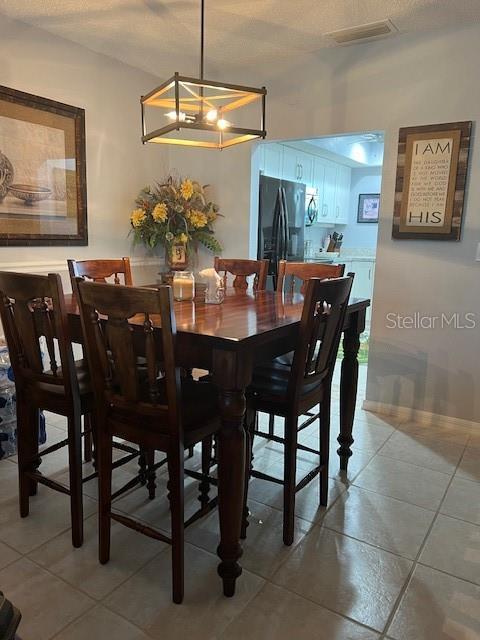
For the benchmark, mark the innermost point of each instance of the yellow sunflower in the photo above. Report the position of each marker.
(159, 214)
(183, 238)
(186, 189)
(137, 217)
(198, 219)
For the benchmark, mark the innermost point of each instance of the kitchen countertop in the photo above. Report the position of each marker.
(343, 257)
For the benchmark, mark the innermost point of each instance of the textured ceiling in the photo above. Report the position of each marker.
(161, 36)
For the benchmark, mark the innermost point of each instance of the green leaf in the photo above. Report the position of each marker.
(209, 241)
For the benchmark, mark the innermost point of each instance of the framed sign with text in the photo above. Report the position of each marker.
(431, 177)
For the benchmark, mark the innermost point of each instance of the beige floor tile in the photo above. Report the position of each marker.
(99, 624)
(8, 482)
(369, 435)
(146, 600)
(49, 516)
(474, 441)
(453, 546)
(47, 604)
(425, 452)
(356, 463)
(384, 522)
(469, 467)
(442, 433)
(375, 419)
(307, 505)
(7, 555)
(396, 479)
(345, 575)
(263, 549)
(437, 607)
(81, 568)
(157, 512)
(463, 500)
(277, 614)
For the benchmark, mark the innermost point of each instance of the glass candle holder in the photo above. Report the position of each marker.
(183, 285)
(214, 294)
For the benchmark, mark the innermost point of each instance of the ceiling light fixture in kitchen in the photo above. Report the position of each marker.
(203, 113)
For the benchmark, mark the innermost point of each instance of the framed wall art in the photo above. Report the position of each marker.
(431, 178)
(43, 196)
(368, 207)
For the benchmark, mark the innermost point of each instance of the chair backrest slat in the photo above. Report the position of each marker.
(101, 270)
(132, 365)
(35, 323)
(323, 315)
(289, 272)
(241, 270)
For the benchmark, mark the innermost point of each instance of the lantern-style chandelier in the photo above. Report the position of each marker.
(203, 113)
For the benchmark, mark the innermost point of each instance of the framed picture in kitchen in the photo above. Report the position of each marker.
(368, 207)
(43, 195)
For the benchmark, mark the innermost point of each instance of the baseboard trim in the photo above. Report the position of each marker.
(422, 417)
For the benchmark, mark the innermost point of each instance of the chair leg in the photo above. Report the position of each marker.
(142, 467)
(75, 472)
(324, 448)
(207, 445)
(27, 448)
(271, 424)
(104, 464)
(190, 452)
(151, 475)
(176, 496)
(290, 471)
(87, 438)
(250, 421)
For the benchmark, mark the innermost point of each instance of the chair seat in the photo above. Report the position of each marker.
(199, 407)
(83, 377)
(51, 396)
(270, 380)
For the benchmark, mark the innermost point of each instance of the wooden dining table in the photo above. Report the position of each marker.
(228, 340)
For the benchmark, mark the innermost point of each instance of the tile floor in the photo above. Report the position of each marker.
(395, 556)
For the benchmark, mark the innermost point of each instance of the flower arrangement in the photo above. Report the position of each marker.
(175, 212)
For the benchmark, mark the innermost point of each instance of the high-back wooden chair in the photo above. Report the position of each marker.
(149, 405)
(241, 269)
(290, 390)
(36, 329)
(101, 270)
(303, 271)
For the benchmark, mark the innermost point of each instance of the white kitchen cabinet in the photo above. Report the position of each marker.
(364, 271)
(327, 209)
(342, 193)
(297, 166)
(272, 160)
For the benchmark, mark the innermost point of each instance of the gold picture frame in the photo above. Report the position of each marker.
(43, 197)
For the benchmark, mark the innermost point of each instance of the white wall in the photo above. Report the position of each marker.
(406, 80)
(118, 165)
(358, 234)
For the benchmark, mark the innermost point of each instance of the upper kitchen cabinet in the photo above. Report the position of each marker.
(271, 157)
(342, 193)
(297, 166)
(325, 182)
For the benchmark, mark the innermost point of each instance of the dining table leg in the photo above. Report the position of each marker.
(349, 384)
(231, 374)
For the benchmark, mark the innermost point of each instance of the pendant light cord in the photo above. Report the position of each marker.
(202, 36)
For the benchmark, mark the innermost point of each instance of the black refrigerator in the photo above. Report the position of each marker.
(281, 220)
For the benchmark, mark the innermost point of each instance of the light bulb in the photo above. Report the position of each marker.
(172, 115)
(223, 124)
(212, 115)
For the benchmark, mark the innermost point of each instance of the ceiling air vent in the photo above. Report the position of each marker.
(363, 33)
